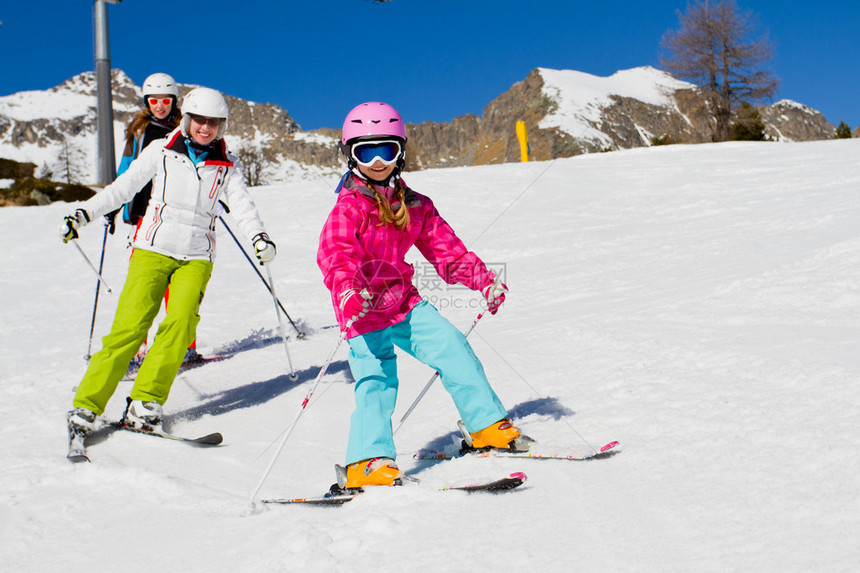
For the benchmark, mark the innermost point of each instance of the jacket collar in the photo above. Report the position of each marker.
(217, 155)
(357, 186)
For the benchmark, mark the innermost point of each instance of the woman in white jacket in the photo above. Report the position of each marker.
(193, 176)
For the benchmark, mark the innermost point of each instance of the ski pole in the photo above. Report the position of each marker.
(299, 334)
(96, 301)
(433, 379)
(304, 405)
(293, 374)
(92, 266)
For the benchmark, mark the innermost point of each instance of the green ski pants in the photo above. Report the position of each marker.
(149, 275)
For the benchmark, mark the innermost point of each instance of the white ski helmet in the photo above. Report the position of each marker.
(205, 102)
(158, 84)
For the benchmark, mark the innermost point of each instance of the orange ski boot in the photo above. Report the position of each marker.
(502, 435)
(375, 471)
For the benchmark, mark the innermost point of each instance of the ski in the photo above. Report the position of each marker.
(338, 496)
(500, 485)
(189, 365)
(77, 440)
(77, 447)
(212, 439)
(534, 452)
(201, 360)
(329, 498)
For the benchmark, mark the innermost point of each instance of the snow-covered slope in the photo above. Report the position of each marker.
(701, 304)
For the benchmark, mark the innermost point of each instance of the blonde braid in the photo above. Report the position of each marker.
(400, 219)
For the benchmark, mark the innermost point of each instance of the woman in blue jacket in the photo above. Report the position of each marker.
(160, 115)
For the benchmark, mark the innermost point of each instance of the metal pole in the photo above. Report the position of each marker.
(96, 301)
(106, 151)
(299, 333)
(92, 266)
(433, 379)
(293, 374)
(106, 163)
(302, 408)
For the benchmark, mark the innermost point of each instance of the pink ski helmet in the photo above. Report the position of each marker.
(372, 120)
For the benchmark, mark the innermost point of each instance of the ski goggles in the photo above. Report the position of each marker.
(201, 120)
(367, 153)
(164, 101)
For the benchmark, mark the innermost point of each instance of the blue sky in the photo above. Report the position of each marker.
(432, 59)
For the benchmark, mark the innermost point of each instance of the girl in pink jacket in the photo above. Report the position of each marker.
(376, 220)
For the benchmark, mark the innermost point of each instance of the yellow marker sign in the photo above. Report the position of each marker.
(524, 141)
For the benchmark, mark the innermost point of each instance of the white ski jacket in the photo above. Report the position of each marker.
(186, 199)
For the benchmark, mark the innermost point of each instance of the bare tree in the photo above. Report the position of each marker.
(714, 48)
(69, 162)
(66, 161)
(253, 163)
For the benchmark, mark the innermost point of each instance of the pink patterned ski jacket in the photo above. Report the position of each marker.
(356, 252)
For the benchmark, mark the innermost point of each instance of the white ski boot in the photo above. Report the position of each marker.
(81, 420)
(81, 423)
(143, 416)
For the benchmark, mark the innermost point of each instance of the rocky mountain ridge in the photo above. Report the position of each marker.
(561, 123)
(565, 112)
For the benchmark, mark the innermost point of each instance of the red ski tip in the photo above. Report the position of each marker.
(608, 446)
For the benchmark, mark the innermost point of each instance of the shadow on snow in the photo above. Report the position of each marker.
(255, 393)
(546, 407)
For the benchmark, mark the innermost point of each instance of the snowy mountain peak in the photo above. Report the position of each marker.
(632, 107)
(645, 84)
(584, 102)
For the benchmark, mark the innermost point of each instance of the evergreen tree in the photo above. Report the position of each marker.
(662, 140)
(748, 125)
(843, 131)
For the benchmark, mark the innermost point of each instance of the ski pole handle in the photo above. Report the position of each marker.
(90, 263)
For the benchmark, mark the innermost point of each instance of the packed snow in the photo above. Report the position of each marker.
(700, 304)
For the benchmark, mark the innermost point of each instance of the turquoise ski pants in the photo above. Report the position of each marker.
(430, 338)
(149, 275)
